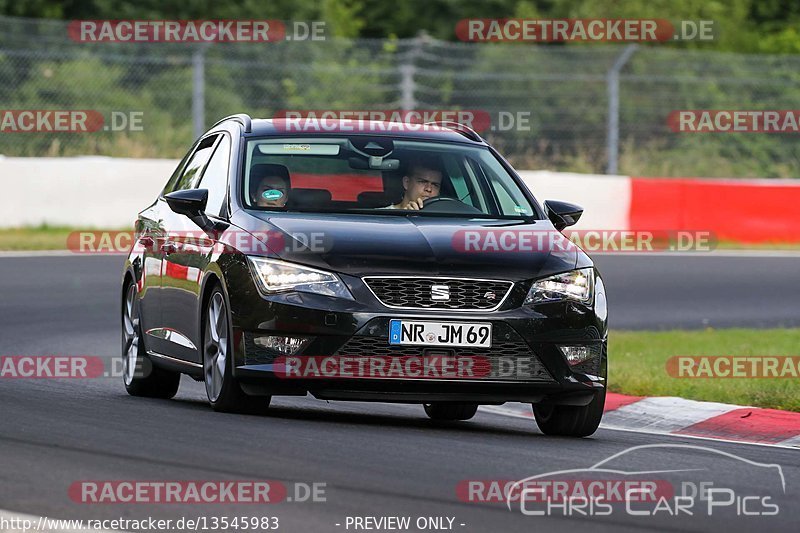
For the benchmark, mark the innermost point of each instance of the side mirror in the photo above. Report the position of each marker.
(562, 214)
(191, 203)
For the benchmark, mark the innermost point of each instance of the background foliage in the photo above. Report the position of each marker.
(751, 65)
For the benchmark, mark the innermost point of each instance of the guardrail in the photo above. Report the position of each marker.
(103, 192)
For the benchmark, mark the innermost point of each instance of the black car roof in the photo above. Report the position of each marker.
(338, 127)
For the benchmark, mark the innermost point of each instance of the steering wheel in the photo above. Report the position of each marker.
(444, 204)
(427, 202)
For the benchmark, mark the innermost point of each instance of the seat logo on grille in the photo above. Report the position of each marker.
(440, 292)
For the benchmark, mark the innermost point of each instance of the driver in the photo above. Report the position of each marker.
(273, 185)
(422, 181)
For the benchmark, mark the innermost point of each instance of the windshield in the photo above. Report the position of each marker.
(381, 176)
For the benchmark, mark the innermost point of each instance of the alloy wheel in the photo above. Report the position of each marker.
(130, 336)
(215, 346)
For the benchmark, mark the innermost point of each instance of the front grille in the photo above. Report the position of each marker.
(418, 293)
(507, 351)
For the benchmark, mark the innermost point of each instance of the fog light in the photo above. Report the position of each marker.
(576, 354)
(282, 343)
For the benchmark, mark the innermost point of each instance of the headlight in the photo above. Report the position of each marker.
(574, 285)
(274, 276)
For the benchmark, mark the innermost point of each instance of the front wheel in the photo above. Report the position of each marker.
(223, 391)
(140, 376)
(450, 410)
(570, 420)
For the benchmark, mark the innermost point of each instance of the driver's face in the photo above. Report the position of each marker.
(422, 183)
(268, 183)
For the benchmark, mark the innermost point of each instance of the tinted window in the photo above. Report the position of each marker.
(193, 170)
(511, 198)
(462, 181)
(215, 178)
(508, 204)
(176, 174)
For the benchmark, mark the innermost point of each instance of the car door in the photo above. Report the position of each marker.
(162, 338)
(188, 255)
(150, 236)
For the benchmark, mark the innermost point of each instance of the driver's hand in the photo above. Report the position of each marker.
(411, 204)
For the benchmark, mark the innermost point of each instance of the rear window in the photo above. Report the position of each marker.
(327, 173)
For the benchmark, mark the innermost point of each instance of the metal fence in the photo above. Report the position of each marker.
(592, 108)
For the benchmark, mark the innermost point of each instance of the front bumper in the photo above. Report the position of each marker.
(339, 328)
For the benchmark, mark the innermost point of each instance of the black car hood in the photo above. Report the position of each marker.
(404, 245)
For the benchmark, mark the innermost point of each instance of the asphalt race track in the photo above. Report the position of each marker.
(720, 290)
(374, 459)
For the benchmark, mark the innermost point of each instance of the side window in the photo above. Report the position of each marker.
(215, 178)
(510, 198)
(476, 179)
(508, 205)
(176, 174)
(194, 168)
(457, 179)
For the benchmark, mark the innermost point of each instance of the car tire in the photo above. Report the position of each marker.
(570, 420)
(450, 410)
(140, 376)
(223, 390)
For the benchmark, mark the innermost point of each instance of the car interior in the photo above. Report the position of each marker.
(317, 198)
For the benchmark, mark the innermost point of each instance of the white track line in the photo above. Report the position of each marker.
(664, 414)
(791, 444)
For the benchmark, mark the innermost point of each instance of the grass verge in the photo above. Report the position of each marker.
(637, 365)
(35, 238)
(733, 245)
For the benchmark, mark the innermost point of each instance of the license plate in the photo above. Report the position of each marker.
(470, 334)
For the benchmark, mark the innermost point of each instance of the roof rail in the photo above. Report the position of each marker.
(466, 131)
(242, 118)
